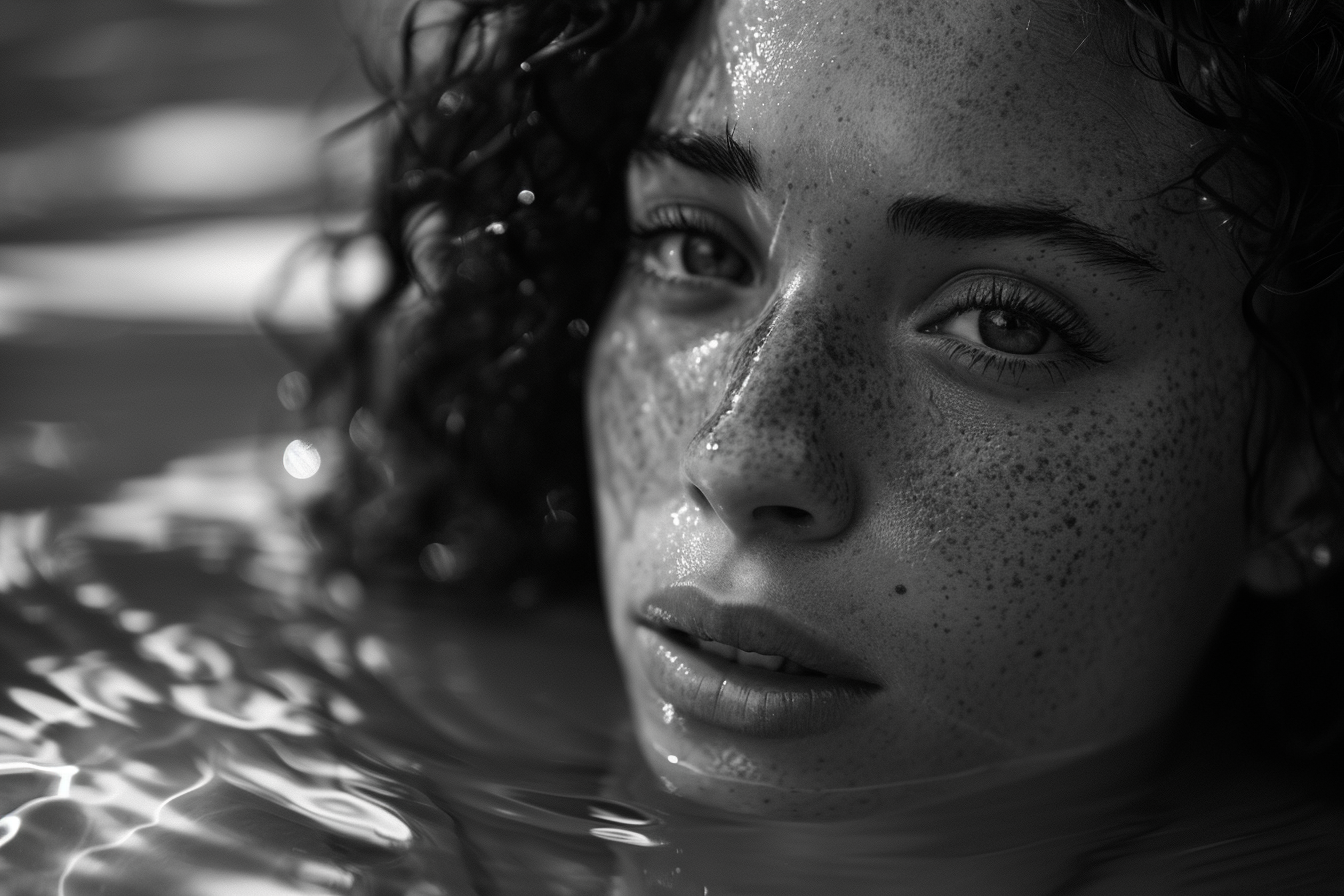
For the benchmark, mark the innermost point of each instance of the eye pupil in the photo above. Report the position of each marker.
(704, 256)
(1010, 332)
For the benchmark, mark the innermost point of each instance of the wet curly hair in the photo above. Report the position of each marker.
(500, 204)
(1266, 78)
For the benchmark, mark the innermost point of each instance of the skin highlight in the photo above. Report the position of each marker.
(1027, 559)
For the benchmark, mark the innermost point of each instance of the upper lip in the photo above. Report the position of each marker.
(749, 627)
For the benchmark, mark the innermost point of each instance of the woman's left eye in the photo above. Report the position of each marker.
(999, 324)
(1002, 329)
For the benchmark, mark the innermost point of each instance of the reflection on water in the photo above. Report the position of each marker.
(187, 709)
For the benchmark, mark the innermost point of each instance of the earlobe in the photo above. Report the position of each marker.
(1289, 563)
(1299, 534)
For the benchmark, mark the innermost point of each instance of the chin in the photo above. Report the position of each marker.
(851, 769)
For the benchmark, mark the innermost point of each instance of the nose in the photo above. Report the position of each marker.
(766, 461)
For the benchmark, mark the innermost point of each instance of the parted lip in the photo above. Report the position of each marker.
(736, 696)
(686, 610)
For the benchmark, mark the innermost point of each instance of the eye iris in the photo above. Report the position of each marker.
(1010, 332)
(705, 256)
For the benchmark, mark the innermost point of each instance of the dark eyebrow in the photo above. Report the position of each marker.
(718, 155)
(938, 217)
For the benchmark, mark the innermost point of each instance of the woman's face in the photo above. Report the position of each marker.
(918, 412)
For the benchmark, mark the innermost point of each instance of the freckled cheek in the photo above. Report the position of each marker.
(650, 389)
(1069, 558)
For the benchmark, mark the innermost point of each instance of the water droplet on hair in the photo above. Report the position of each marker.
(301, 460)
(293, 390)
(366, 432)
(451, 102)
(440, 562)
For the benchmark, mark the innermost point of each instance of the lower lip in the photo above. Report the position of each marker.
(745, 699)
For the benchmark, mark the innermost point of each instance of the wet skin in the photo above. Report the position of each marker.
(997, 470)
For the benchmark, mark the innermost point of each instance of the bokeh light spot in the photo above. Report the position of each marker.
(301, 459)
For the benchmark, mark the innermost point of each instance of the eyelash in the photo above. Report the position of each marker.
(982, 293)
(1010, 294)
(678, 219)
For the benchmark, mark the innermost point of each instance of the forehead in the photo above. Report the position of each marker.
(989, 100)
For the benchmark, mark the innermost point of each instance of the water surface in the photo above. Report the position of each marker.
(187, 708)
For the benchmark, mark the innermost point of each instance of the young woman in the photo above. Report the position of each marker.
(962, 381)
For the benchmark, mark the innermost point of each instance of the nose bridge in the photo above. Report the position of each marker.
(766, 459)
(775, 374)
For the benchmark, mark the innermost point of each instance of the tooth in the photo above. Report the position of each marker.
(716, 648)
(760, 660)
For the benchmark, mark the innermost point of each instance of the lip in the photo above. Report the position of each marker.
(729, 695)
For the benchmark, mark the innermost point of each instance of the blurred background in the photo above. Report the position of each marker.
(160, 163)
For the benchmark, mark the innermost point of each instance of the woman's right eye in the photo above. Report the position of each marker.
(681, 255)
(686, 246)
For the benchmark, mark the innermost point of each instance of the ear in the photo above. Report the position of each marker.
(1297, 536)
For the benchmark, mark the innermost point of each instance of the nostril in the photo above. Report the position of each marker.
(782, 513)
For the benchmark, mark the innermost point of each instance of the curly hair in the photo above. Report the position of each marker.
(501, 207)
(1266, 78)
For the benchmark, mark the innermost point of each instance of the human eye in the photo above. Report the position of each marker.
(1008, 328)
(689, 248)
